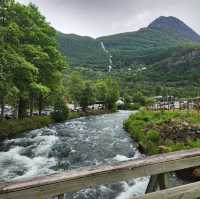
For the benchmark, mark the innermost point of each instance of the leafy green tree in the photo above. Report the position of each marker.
(108, 92)
(87, 96)
(23, 76)
(29, 58)
(36, 91)
(112, 93)
(7, 59)
(75, 87)
(61, 111)
(139, 98)
(101, 90)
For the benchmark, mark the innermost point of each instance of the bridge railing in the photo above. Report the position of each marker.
(71, 181)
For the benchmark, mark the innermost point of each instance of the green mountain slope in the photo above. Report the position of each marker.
(181, 69)
(147, 46)
(82, 51)
(144, 46)
(165, 54)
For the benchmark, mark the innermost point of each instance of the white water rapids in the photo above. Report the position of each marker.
(77, 143)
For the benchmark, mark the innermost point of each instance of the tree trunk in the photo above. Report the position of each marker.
(2, 109)
(40, 105)
(22, 108)
(31, 106)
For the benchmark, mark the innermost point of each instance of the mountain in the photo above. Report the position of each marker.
(82, 51)
(152, 56)
(148, 45)
(183, 68)
(172, 24)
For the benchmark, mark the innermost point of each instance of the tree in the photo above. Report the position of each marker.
(101, 90)
(75, 87)
(29, 58)
(36, 91)
(139, 98)
(24, 75)
(7, 59)
(61, 111)
(108, 92)
(87, 96)
(112, 93)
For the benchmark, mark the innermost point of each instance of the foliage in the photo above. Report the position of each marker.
(29, 60)
(149, 129)
(61, 111)
(82, 51)
(84, 93)
(88, 95)
(75, 86)
(139, 98)
(10, 128)
(133, 106)
(153, 135)
(108, 92)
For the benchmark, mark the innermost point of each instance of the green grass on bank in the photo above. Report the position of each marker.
(73, 115)
(158, 132)
(11, 128)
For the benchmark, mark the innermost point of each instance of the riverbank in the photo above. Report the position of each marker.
(12, 128)
(164, 131)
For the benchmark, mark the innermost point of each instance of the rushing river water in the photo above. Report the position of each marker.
(77, 143)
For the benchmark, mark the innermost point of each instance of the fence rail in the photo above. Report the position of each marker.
(58, 184)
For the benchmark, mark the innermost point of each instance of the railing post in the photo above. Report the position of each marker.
(160, 180)
(62, 196)
(163, 181)
(153, 184)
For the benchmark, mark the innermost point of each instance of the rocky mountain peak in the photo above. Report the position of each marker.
(174, 24)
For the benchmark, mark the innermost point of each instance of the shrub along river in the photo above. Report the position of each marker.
(77, 143)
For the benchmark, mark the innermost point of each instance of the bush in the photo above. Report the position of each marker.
(153, 135)
(10, 128)
(61, 112)
(143, 124)
(134, 106)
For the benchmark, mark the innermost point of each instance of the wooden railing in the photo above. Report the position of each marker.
(71, 181)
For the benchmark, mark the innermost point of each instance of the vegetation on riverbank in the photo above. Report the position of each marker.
(164, 131)
(14, 127)
(10, 128)
(83, 92)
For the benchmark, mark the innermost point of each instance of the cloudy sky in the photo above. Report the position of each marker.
(102, 17)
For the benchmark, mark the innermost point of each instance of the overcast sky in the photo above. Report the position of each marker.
(102, 17)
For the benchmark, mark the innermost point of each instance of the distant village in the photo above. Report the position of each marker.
(172, 103)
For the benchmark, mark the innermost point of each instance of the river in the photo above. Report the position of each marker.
(77, 143)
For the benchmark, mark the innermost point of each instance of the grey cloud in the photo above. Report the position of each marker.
(103, 17)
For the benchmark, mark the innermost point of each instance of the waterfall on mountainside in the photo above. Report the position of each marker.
(110, 57)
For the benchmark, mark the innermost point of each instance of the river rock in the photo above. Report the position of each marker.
(131, 153)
